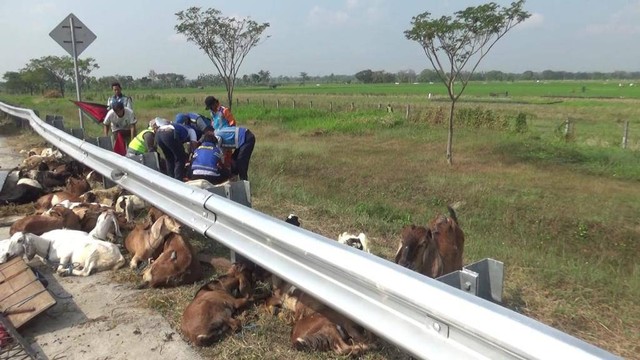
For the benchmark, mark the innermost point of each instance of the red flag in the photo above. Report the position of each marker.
(119, 147)
(95, 111)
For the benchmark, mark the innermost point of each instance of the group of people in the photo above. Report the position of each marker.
(218, 149)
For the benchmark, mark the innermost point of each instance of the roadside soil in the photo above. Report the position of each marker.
(94, 318)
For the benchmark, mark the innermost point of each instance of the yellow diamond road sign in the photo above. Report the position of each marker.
(81, 34)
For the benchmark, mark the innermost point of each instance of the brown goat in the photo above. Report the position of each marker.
(432, 251)
(59, 218)
(145, 240)
(317, 327)
(450, 240)
(74, 188)
(176, 265)
(47, 201)
(77, 186)
(328, 330)
(210, 313)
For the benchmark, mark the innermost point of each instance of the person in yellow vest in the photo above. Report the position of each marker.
(145, 141)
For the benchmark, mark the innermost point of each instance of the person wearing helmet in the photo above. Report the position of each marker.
(197, 121)
(145, 141)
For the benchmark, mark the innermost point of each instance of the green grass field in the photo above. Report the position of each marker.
(562, 213)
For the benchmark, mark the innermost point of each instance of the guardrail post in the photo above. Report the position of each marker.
(150, 160)
(240, 192)
(106, 142)
(79, 133)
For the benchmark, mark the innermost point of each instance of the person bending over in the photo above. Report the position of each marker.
(242, 141)
(122, 123)
(206, 163)
(171, 139)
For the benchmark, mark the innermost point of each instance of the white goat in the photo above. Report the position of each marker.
(106, 224)
(200, 183)
(4, 250)
(130, 203)
(68, 247)
(359, 242)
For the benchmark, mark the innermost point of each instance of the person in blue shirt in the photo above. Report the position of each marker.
(197, 121)
(242, 141)
(206, 162)
(171, 139)
(220, 115)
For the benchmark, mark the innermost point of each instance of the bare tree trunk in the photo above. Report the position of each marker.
(229, 98)
(450, 136)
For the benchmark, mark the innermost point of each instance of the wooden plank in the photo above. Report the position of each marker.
(20, 291)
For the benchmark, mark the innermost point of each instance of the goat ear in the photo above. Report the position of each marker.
(156, 228)
(21, 239)
(431, 258)
(114, 219)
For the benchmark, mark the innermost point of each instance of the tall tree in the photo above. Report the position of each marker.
(265, 77)
(304, 77)
(453, 44)
(226, 40)
(61, 68)
(365, 76)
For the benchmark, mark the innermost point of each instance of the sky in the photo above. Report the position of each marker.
(321, 37)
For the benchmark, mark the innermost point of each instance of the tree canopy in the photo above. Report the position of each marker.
(457, 43)
(226, 40)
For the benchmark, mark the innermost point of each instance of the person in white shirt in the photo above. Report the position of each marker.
(121, 121)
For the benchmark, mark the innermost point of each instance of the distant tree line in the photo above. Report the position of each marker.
(53, 73)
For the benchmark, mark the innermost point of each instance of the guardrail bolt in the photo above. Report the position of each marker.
(436, 327)
(467, 286)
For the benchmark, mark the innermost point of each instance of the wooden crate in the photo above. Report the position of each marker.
(22, 296)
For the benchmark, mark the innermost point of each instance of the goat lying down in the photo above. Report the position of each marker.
(56, 218)
(68, 248)
(210, 313)
(175, 266)
(146, 241)
(317, 327)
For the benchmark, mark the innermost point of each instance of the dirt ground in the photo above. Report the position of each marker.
(95, 318)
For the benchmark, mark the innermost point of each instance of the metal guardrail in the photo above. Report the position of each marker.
(425, 317)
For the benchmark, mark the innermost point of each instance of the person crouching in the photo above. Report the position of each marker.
(145, 141)
(206, 163)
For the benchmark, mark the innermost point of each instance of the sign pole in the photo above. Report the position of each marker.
(75, 66)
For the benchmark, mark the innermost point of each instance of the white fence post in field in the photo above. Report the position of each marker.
(568, 129)
(625, 134)
(406, 115)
